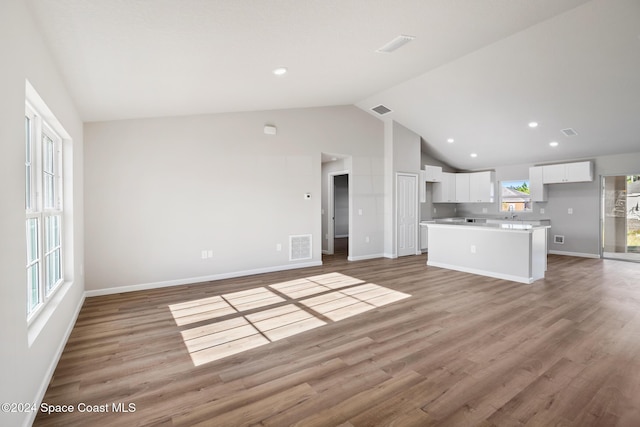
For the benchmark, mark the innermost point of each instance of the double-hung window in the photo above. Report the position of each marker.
(44, 210)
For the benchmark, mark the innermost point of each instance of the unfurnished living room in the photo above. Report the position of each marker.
(320, 213)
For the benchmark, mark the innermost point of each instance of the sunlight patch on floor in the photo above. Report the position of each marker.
(251, 328)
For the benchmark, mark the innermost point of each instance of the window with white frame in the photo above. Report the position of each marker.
(44, 210)
(515, 196)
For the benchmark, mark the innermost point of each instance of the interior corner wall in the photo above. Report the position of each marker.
(402, 151)
(160, 191)
(27, 367)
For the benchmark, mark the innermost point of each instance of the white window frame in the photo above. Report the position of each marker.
(530, 203)
(44, 180)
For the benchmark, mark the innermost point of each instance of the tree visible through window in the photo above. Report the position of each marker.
(515, 196)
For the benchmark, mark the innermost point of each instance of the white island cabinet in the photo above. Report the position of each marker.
(516, 252)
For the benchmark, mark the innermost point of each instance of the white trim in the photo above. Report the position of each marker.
(391, 256)
(527, 280)
(44, 385)
(578, 254)
(193, 280)
(363, 257)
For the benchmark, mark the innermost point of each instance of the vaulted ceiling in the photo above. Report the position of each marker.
(477, 71)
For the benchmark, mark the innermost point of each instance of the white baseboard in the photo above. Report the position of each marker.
(54, 363)
(510, 277)
(192, 280)
(363, 257)
(578, 254)
(392, 256)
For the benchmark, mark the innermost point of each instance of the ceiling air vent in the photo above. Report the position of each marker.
(381, 109)
(569, 132)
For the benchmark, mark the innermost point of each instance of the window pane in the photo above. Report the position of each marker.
(33, 286)
(32, 240)
(47, 154)
(49, 188)
(28, 197)
(52, 232)
(52, 263)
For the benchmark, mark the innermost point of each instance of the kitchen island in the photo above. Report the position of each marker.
(512, 250)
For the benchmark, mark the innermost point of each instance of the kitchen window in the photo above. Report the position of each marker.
(515, 196)
(43, 210)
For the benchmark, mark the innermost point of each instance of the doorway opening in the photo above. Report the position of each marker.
(340, 212)
(621, 217)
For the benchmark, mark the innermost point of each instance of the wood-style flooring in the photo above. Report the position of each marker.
(462, 350)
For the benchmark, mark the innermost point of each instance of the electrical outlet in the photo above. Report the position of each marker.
(279, 247)
(473, 249)
(570, 211)
(203, 254)
(435, 211)
(366, 239)
(541, 210)
(210, 253)
(359, 211)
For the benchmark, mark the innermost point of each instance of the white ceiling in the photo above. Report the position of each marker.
(478, 70)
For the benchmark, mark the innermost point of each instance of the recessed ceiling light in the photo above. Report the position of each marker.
(533, 124)
(553, 144)
(450, 140)
(280, 71)
(396, 43)
(474, 155)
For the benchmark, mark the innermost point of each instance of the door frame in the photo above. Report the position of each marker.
(415, 176)
(331, 221)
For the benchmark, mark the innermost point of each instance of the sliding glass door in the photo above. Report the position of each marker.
(621, 217)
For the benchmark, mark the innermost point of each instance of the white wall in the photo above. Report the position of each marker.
(159, 191)
(28, 355)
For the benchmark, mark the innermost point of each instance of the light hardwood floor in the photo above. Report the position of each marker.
(461, 350)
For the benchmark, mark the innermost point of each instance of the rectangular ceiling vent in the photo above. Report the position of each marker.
(381, 109)
(396, 43)
(299, 247)
(569, 132)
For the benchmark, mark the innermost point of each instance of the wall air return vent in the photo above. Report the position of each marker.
(299, 247)
(569, 132)
(558, 239)
(381, 109)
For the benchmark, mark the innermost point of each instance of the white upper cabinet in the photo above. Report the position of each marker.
(536, 185)
(482, 187)
(445, 191)
(432, 173)
(462, 187)
(567, 172)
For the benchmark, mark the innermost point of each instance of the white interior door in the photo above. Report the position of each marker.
(407, 214)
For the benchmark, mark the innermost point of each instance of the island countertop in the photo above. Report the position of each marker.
(510, 225)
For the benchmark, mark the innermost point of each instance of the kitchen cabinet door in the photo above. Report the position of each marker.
(553, 174)
(579, 172)
(537, 188)
(433, 173)
(445, 191)
(462, 187)
(481, 187)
